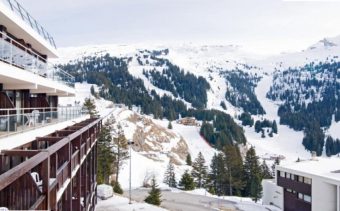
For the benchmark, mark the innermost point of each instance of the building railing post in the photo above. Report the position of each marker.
(8, 121)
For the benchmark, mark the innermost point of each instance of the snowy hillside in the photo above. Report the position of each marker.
(214, 63)
(155, 145)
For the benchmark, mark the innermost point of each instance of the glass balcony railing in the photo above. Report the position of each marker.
(22, 119)
(27, 18)
(16, 54)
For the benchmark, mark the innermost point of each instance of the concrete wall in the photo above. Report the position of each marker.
(272, 194)
(324, 196)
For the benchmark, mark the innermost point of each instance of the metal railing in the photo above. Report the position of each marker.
(16, 54)
(22, 119)
(27, 18)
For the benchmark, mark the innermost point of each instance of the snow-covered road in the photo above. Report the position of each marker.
(183, 201)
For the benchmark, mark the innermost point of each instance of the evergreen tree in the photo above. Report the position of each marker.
(330, 146)
(105, 158)
(271, 134)
(223, 105)
(90, 107)
(169, 125)
(234, 165)
(314, 138)
(188, 160)
(217, 173)
(169, 175)
(263, 135)
(187, 181)
(120, 148)
(154, 196)
(266, 174)
(258, 126)
(93, 92)
(274, 127)
(117, 188)
(199, 170)
(252, 175)
(276, 162)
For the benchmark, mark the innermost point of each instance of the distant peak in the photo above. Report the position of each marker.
(327, 43)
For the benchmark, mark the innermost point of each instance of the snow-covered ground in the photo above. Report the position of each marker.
(334, 129)
(207, 61)
(287, 142)
(120, 203)
(145, 167)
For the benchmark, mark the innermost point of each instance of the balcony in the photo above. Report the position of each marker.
(49, 173)
(16, 54)
(14, 121)
(27, 18)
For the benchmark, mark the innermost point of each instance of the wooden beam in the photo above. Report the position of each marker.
(49, 138)
(13, 174)
(21, 153)
(36, 205)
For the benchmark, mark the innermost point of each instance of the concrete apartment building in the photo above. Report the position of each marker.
(47, 151)
(307, 185)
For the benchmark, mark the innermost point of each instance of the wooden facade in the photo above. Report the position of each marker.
(55, 172)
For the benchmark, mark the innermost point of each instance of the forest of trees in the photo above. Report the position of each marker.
(118, 85)
(219, 128)
(228, 174)
(312, 103)
(184, 85)
(240, 91)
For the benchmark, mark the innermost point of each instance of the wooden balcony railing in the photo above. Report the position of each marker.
(62, 174)
(55, 164)
(75, 160)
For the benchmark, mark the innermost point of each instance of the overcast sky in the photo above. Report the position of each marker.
(260, 25)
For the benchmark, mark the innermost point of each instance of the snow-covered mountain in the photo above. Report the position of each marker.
(227, 69)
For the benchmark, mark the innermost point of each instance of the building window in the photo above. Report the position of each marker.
(307, 198)
(300, 178)
(288, 175)
(307, 180)
(300, 196)
(289, 190)
(292, 176)
(282, 174)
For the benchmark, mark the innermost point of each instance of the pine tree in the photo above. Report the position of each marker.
(187, 181)
(263, 135)
(271, 134)
(93, 92)
(169, 176)
(329, 146)
(276, 162)
(266, 174)
(188, 160)
(120, 148)
(217, 173)
(105, 158)
(154, 196)
(169, 125)
(234, 166)
(90, 107)
(274, 127)
(199, 170)
(252, 175)
(117, 188)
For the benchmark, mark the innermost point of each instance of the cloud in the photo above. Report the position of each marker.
(266, 25)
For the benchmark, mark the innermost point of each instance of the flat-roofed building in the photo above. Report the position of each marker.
(308, 185)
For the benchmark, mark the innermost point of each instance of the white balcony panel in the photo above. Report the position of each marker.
(16, 78)
(16, 26)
